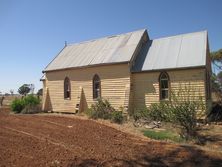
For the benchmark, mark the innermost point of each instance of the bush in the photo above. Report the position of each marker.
(17, 105)
(26, 105)
(117, 117)
(160, 112)
(31, 100)
(142, 113)
(157, 112)
(215, 114)
(180, 111)
(185, 116)
(31, 109)
(102, 109)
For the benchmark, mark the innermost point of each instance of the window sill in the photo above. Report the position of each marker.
(96, 99)
(164, 100)
(67, 98)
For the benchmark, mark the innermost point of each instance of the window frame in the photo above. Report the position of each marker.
(164, 89)
(96, 80)
(67, 88)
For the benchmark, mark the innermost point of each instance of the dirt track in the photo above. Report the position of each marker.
(49, 140)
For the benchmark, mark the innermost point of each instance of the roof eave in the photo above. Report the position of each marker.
(88, 66)
(171, 69)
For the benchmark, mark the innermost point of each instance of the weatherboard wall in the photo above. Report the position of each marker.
(114, 79)
(191, 82)
(144, 87)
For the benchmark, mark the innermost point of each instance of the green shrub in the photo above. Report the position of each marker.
(31, 100)
(17, 105)
(31, 109)
(141, 114)
(117, 117)
(88, 112)
(182, 113)
(187, 108)
(183, 110)
(157, 112)
(101, 109)
(26, 105)
(160, 112)
(185, 115)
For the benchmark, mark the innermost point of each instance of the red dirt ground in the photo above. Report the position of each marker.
(49, 140)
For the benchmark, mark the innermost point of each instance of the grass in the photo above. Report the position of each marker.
(163, 135)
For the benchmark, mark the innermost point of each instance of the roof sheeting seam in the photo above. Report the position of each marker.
(179, 51)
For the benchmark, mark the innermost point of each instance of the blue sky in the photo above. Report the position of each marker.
(33, 32)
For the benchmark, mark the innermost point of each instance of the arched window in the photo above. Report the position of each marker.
(96, 87)
(67, 88)
(164, 83)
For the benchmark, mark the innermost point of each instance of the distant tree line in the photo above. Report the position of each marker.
(23, 90)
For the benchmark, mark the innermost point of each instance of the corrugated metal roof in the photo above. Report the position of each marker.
(181, 51)
(113, 49)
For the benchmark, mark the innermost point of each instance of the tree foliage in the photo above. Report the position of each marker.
(219, 77)
(40, 91)
(216, 85)
(216, 58)
(24, 89)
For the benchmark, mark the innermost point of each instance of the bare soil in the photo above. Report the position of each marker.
(53, 140)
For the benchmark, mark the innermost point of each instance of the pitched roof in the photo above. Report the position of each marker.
(180, 51)
(112, 49)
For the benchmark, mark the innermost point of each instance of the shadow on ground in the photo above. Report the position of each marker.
(204, 139)
(182, 156)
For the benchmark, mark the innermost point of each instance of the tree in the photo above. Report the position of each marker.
(39, 93)
(1, 100)
(217, 55)
(216, 58)
(24, 89)
(219, 77)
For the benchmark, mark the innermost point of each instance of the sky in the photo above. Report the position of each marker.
(32, 32)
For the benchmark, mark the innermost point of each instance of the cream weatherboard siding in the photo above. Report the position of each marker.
(146, 86)
(114, 79)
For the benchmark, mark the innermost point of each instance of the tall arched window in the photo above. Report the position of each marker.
(96, 87)
(164, 83)
(67, 88)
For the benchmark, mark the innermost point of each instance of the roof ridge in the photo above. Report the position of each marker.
(182, 34)
(105, 37)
